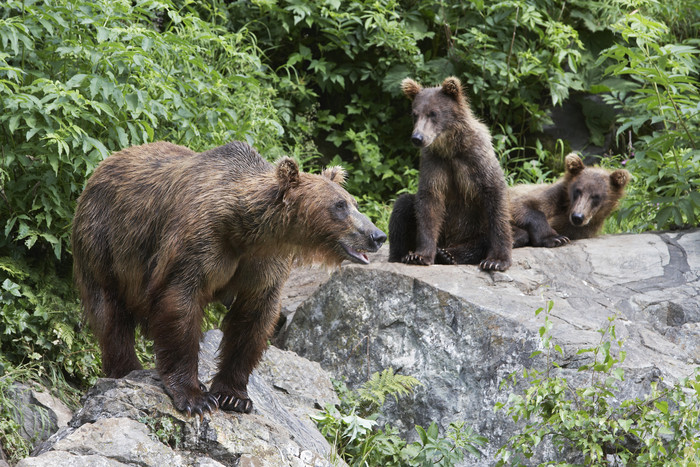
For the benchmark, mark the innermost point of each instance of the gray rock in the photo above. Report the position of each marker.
(131, 421)
(461, 331)
(36, 411)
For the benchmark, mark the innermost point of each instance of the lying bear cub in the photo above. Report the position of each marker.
(575, 207)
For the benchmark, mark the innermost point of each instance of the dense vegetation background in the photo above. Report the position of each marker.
(318, 80)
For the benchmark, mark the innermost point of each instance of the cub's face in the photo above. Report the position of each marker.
(587, 193)
(434, 110)
(592, 189)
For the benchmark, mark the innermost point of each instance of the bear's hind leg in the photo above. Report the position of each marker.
(114, 328)
(402, 228)
(465, 253)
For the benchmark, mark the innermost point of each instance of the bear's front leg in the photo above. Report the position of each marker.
(540, 232)
(247, 327)
(430, 213)
(176, 329)
(498, 256)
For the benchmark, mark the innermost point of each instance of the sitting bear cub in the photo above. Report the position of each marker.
(460, 213)
(575, 207)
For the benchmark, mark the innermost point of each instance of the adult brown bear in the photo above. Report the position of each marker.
(460, 213)
(160, 231)
(575, 207)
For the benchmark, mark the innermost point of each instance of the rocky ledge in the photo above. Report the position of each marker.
(457, 329)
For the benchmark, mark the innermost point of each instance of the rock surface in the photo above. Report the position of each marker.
(131, 421)
(461, 331)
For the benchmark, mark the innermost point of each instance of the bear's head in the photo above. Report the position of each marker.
(435, 110)
(593, 191)
(324, 221)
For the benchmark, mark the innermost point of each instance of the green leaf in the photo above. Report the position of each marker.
(662, 406)
(76, 81)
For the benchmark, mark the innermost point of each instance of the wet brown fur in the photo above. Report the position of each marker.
(460, 214)
(544, 214)
(160, 231)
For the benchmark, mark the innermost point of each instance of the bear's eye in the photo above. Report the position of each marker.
(432, 115)
(341, 205)
(577, 193)
(595, 199)
(340, 210)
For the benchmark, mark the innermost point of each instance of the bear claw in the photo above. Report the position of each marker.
(412, 258)
(493, 265)
(234, 404)
(443, 256)
(208, 404)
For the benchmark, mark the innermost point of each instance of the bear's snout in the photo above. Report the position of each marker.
(577, 218)
(417, 139)
(378, 237)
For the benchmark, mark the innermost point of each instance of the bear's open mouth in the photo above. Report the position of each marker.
(354, 255)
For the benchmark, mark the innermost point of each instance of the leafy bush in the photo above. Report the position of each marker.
(659, 107)
(343, 62)
(351, 428)
(40, 322)
(78, 80)
(590, 421)
(81, 79)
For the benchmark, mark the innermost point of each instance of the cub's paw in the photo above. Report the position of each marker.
(412, 258)
(231, 403)
(556, 240)
(443, 256)
(492, 264)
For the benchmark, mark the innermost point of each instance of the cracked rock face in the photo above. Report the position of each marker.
(460, 330)
(131, 421)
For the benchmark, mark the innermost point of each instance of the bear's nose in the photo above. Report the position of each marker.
(577, 218)
(417, 139)
(378, 237)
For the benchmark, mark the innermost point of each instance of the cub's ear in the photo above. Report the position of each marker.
(574, 164)
(410, 88)
(619, 178)
(287, 173)
(335, 174)
(452, 87)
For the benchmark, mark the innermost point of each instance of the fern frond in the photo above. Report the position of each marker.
(374, 391)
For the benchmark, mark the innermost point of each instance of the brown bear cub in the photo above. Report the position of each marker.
(575, 207)
(160, 231)
(460, 213)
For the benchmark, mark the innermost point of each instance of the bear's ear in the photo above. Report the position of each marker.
(287, 173)
(410, 88)
(619, 178)
(452, 87)
(574, 164)
(335, 174)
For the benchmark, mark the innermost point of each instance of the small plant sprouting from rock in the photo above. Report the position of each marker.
(352, 430)
(163, 429)
(591, 422)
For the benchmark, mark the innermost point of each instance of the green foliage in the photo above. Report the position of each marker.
(352, 428)
(659, 103)
(343, 62)
(590, 421)
(165, 430)
(40, 322)
(81, 79)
